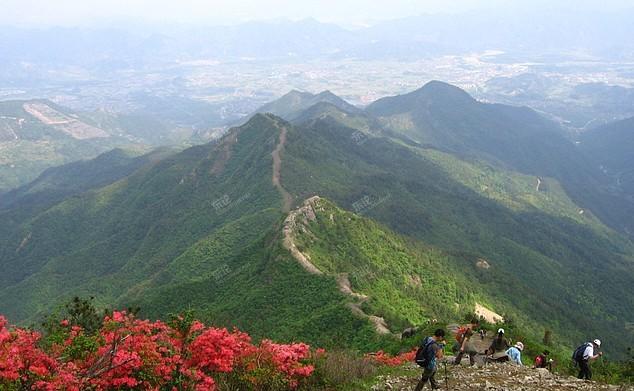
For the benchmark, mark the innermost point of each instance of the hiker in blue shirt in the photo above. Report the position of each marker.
(515, 353)
(427, 355)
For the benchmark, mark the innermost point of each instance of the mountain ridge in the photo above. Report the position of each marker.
(204, 228)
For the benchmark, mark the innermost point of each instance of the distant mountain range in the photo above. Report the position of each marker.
(522, 32)
(337, 226)
(577, 105)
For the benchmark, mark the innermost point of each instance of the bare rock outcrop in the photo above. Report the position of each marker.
(487, 314)
(297, 220)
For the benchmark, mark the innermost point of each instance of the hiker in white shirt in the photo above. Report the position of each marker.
(588, 355)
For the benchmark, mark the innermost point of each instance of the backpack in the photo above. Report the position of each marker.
(539, 361)
(460, 333)
(577, 355)
(425, 354)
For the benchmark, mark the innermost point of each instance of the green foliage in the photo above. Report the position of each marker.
(77, 312)
(81, 347)
(530, 249)
(107, 241)
(406, 284)
(611, 145)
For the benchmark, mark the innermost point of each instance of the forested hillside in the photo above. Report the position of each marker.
(612, 148)
(39, 134)
(406, 229)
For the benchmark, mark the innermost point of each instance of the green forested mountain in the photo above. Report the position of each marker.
(447, 118)
(516, 138)
(404, 230)
(295, 102)
(612, 147)
(534, 238)
(108, 239)
(56, 183)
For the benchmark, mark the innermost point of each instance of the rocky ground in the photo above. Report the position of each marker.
(494, 377)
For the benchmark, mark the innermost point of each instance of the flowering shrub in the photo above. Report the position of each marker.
(22, 363)
(283, 362)
(128, 353)
(218, 350)
(392, 361)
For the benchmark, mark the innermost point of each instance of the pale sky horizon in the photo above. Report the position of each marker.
(347, 13)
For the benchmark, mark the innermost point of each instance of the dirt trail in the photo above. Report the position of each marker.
(481, 344)
(287, 199)
(298, 220)
(380, 325)
(343, 282)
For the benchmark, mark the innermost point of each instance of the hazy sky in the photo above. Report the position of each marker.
(345, 12)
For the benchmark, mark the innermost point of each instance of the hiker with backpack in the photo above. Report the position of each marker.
(464, 346)
(498, 348)
(427, 357)
(583, 355)
(514, 353)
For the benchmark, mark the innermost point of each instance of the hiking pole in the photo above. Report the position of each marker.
(446, 377)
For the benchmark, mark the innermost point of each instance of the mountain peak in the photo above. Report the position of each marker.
(295, 92)
(327, 93)
(263, 118)
(440, 89)
(292, 104)
(434, 92)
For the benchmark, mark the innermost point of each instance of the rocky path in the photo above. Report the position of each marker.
(298, 220)
(493, 377)
(287, 200)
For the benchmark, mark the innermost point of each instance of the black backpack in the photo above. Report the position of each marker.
(577, 355)
(425, 353)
